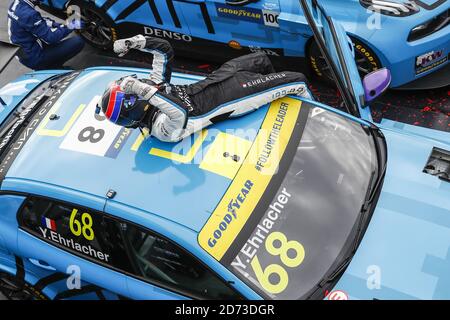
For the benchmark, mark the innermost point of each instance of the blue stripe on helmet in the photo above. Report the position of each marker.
(120, 96)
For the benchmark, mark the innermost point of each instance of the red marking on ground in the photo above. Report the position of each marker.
(204, 66)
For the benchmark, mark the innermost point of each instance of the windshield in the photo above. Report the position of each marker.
(284, 231)
(19, 126)
(313, 214)
(338, 51)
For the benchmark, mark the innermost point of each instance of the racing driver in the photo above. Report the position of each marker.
(173, 112)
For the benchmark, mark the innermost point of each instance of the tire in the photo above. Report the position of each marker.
(12, 288)
(100, 30)
(366, 61)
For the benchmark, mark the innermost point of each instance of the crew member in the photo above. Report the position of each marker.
(173, 112)
(43, 41)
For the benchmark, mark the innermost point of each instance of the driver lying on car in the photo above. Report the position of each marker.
(173, 112)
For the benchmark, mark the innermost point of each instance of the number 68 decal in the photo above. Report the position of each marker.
(281, 249)
(83, 226)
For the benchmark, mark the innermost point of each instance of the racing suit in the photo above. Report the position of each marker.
(40, 38)
(238, 87)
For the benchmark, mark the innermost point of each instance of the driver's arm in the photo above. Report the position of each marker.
(172, 118)
(162, 59)
(160, 49)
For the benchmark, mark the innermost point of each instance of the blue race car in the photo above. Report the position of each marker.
(411, 38)
(296, 200)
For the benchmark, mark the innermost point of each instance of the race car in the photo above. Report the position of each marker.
(296, 200)
(409, 37)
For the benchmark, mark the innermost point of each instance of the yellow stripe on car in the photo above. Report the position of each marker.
(252, 179)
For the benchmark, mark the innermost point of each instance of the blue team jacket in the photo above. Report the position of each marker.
(29, 30)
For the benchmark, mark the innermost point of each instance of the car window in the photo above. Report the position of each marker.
(162, 262)
(81, 231)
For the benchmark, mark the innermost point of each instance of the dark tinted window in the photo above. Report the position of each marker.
(303, 229)
(163, 263)
(81, 231)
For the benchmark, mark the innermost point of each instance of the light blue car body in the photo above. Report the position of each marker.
(290, 36)
(404, 254)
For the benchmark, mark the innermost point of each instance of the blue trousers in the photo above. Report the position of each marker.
(55, 55)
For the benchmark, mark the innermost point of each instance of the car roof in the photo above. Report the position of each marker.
(145, 174)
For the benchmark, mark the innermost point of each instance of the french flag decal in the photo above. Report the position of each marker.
(48, 223)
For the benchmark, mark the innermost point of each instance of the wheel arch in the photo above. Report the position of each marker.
(14, 269)
(379, 54)
(83, 3)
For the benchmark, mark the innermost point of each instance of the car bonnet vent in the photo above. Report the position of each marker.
(439, 164)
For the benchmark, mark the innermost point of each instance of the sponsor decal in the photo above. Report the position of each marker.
(48, 223)
(59, 239)
(264, 79)
(256, 241)
(246, 14)
(271, 18)
(252, 179)
(118, 144)
(271, 143)
(75, 235)
(166, 34)
(232, 214)
(267, 17)
(183, 95)
(430, 60)
(368, 55)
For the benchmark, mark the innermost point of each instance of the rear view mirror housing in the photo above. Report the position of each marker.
(375, 83)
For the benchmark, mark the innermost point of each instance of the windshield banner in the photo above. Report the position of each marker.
(252, 180)
(23, 127)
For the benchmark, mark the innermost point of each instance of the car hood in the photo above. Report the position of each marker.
(15, 91)
(405, 251)
(145, 174)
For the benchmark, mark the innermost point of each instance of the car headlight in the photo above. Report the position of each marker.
(401, 8)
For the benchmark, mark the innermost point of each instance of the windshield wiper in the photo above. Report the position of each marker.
(376, 177)
(356, 240)
(359, 231)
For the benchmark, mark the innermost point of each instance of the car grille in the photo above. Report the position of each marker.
(431, 26)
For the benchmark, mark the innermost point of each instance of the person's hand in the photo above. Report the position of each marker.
(131, 85)
(122, 46)
(75, 24)
(49, 22)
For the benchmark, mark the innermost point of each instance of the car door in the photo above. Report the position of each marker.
(239, 24)
(155, 18)
(163, 270)
(294, 29)
(68, 238)
(337, 49)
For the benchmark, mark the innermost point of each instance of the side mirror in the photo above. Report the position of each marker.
(375, 83)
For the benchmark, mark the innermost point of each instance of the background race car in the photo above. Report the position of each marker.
(408, 37)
